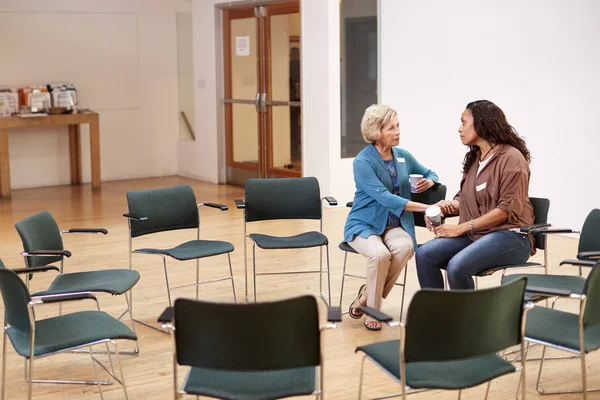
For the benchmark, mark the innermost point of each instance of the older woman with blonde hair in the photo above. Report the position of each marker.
(380, 225)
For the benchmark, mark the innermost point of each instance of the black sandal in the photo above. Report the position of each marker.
(356, 301)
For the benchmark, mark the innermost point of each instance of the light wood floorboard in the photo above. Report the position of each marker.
(148, 375)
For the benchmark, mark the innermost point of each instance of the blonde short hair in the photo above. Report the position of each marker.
(374, 119)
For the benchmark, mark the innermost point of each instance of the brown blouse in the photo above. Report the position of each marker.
(503, 183)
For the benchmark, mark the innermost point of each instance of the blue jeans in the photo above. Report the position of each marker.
(462, 258)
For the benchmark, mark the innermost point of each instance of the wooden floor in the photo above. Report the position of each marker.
(148, 375)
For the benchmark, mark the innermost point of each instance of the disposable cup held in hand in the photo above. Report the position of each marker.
(434, 214)
(414, 179)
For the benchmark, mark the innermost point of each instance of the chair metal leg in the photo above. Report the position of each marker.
(459, 394)
(360, 382)
(537, 383)
(321, 270)
(167, 279)
(129, 307)
(321, 381)
(254, 268)
(3, 388)
(231, 274)
(446, 285)
(584, 375)
(120, 370)
(245, 260)
(343, 278)
(197, 278)
(30, 382)
(328, 303)
(96, 372)
(487, 390)
(31, 353)
(403, 292)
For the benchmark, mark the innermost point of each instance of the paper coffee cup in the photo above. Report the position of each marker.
(414, 179)
(434, 214)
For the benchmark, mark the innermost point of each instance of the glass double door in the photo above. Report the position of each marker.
(262, 91)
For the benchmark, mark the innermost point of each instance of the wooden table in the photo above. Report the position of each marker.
(73, 121)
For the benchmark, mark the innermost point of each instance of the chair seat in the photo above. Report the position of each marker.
(490, 271)
(459, 374)
(194, 249)
(560, 328)
(574, 284)
(113, 281)
(303, 240)
(69, 331)
(344, 246)
(251, 385)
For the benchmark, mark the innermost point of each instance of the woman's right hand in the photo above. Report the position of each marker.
(428, 224)
(448, 207)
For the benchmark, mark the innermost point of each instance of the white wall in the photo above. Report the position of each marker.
(185, 68)
(122, 56)
(537, 59)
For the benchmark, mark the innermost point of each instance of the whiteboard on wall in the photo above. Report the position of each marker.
(97, 52)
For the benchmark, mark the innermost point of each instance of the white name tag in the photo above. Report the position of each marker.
(481, 187)
(400, 159)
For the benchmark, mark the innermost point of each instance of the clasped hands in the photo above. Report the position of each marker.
(446, 230)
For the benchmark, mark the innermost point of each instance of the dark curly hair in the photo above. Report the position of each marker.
(490, 124)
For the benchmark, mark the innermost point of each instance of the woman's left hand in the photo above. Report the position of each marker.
(448, 230)
(424, 184)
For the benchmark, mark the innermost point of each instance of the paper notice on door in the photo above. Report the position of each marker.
(242, 45)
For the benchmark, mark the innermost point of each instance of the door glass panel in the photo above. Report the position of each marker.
(285, 57)
(244, 124)
(284, 64)
(286, 138)
(244, 47)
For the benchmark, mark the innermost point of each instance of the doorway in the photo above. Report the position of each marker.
(262, 99)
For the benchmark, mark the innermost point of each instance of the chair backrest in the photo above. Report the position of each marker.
(591, 314)
(248, 337)
(40, 232)
(432, 196)
(448, 325)
(167, 209)
(16, 297)
(541, 206)
(589, 240)
(282, 198)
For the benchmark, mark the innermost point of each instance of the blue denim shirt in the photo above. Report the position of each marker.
(374, 200)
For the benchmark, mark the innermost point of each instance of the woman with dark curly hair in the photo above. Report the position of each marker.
(492, 200)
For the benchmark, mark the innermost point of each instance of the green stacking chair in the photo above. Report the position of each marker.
(170, 209)
(43, 246)
(451, 339)
(587, 251)
(34, 339)
(540, 231)
(578, 334)
(431, 196)
(254, 351)
(285, 198)
(541, 206)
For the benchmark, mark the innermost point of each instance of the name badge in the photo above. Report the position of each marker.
(400, 159)
(481, 187)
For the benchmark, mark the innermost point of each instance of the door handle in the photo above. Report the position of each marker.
(263, 102)
(256, 102)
